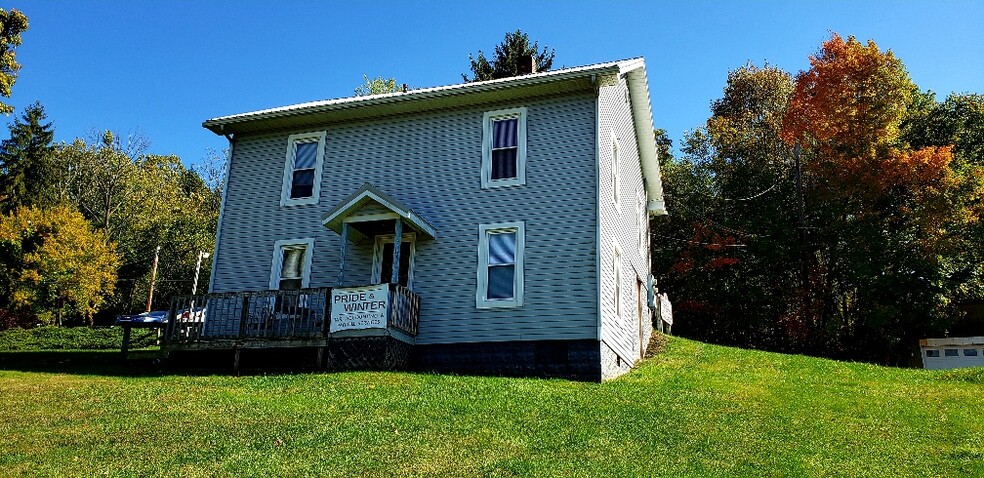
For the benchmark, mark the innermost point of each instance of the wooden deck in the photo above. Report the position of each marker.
(299, 319)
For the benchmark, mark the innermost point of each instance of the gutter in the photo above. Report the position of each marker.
(222, 208)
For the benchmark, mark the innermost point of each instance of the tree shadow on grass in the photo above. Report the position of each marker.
(80, 362)
(149, 363)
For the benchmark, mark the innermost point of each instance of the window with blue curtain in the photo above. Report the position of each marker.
(505, 148)
(502, 265)
(302, 181)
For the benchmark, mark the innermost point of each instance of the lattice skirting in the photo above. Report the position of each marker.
(367, 353)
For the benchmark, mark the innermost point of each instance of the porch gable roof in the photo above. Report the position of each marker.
(370, 194)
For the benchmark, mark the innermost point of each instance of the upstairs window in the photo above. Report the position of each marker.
(302, 169)
(291, 268)
(500, 265)
(504, 148)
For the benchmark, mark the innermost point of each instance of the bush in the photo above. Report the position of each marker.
(10, 319)
(69, 338)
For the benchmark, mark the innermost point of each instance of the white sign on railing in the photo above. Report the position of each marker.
(355, 308)
(665, 309)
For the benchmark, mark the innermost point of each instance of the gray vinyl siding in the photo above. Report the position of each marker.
(431, 162)
(619, 225)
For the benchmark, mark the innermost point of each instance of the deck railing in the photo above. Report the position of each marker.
(404, 309)
(274, 315)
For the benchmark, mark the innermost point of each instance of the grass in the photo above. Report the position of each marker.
(69, 338)
(694, 410)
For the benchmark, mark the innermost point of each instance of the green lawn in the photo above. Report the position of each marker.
(694, 410)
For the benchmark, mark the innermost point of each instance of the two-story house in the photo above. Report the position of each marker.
(520, 207)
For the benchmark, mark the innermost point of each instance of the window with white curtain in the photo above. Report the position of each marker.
(291, 266)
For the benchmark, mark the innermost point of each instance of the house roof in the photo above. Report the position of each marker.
(582, 78)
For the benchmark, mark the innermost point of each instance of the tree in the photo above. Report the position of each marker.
(376, 86)
(143, 201)
(55, 263)
(890, 221)
(27, 174)
(12, 24)
(188, 228)
(866, 254)
(957, 121)
(508, 59)
(101, 179)
(727, 248)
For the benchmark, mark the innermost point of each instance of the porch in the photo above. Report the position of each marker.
(351, 325)
(348, 327)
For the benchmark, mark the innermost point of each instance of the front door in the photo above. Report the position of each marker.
(382, 265)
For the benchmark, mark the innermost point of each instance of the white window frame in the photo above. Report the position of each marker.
(377, 257)
(617, 280)
(481, 292)
(490, 116)
(616, 149)
(278, 260)
(292, 142)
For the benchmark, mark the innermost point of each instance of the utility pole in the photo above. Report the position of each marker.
(801, 218)
(198, 268)
(153, 277)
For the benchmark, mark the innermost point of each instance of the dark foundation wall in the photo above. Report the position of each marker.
(572, 359)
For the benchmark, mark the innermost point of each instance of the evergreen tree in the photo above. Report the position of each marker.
(26, 169)
(508, 59)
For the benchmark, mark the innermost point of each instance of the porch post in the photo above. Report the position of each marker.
(341, 260)
(397, 245)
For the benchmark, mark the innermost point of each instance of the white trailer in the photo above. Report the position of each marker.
(952, 352)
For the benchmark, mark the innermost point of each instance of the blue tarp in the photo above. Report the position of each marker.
(146, 317)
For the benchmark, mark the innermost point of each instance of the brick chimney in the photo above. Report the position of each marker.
(527, 65)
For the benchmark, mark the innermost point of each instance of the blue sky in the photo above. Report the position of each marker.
(161, 68)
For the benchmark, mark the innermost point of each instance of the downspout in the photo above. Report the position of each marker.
(597, 191)
(222, 208)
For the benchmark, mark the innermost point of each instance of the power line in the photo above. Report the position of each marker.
(749, 198)
(698, 242)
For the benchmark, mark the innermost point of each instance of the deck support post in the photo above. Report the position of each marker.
(397, 245)
(244, 316)
(321, 357)
(344, 252)
(126, 341)
(235, 361)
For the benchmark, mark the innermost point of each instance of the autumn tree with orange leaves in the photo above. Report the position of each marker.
(889, 239)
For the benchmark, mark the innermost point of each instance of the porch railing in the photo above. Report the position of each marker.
(275, 315)
(404, 309)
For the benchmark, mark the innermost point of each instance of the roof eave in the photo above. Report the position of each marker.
(642, 116)
(225, 124)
